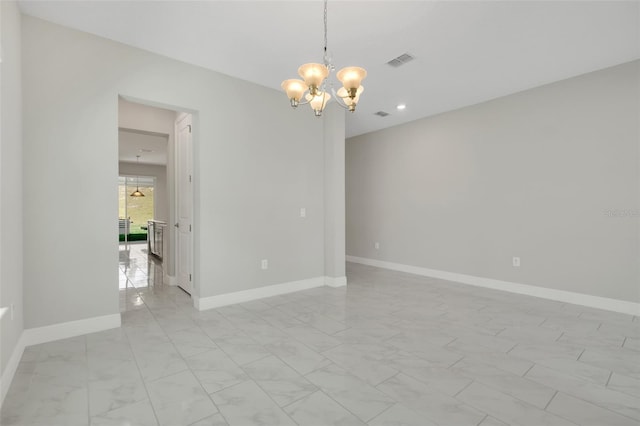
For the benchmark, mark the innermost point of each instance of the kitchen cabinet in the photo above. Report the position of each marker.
(155, 237)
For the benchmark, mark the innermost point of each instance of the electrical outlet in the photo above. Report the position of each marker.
(303, 212)
(265, 264)
(516, 262)
(376, 245)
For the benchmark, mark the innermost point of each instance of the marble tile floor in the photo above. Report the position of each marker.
(389, 349)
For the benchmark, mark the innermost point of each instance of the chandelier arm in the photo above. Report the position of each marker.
(341, 104)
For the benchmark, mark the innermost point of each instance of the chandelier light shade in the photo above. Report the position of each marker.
(351, 77)
(313, 75)
(350, 102)
(295, 89)
(318, 102)
(315, 84)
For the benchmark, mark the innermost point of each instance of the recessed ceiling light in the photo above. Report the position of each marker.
(401, 107)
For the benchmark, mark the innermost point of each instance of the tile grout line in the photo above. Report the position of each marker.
(549, 402)
(274, 401)
(528, 369)
(262, 358)
(452, 365)
(465, 387)
(483, 419)
(328, 395)
(608, 379)
(189, 367)
(382, 412)
(144, 383)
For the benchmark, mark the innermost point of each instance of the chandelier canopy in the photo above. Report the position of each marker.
(313, 86)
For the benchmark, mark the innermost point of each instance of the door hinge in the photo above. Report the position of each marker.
(189, 277)
(189, 126)
(189, 178)
(189, 228)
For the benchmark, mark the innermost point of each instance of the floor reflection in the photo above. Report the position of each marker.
(137, 271)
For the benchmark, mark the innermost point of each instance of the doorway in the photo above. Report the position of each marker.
(162, 139)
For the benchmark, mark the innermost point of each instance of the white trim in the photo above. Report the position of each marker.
(598, 302)
(64, 330)
(335, 281)
(34, 336)
(203, 303)
(170, 280)
(195, 300)
(11, 368)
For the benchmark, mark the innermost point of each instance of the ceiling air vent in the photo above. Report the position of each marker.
(401, 60)
(381, 113)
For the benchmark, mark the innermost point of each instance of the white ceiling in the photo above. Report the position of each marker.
(467, 52)
(152, 148)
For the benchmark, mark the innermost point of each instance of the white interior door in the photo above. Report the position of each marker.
(184, 196)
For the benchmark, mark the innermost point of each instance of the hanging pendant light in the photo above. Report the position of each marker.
(314, 83)
(137, 192)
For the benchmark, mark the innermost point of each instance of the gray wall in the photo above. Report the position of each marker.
(334, 192)
(257, 162)
(10, 180)
(530, 175)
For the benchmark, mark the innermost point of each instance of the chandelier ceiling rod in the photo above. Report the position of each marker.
(326, 59)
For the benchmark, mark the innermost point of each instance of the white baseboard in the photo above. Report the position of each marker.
(35, 336)
(211, 302)
(11, 368)
(335, 281)
(64, 330)
(169, 280)
(598, 302)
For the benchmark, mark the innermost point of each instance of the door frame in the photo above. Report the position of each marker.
(180, 112)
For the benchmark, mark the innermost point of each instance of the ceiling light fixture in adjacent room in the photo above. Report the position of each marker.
(313, 87)
(137, 192)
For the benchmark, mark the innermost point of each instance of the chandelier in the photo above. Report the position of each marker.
(137, 192)
(314, 88)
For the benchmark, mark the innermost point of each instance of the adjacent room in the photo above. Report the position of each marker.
(329, 213)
